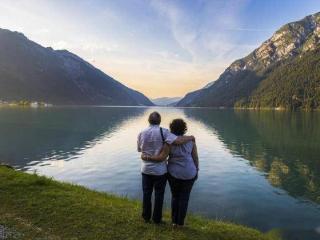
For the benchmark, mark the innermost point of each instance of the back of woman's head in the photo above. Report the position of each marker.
(178, 127)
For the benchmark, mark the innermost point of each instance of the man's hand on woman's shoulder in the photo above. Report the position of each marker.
(184, 139)
(190, 138)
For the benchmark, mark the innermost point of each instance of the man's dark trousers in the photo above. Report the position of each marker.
(158, 184)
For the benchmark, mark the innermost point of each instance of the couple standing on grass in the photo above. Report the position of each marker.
(167, 155)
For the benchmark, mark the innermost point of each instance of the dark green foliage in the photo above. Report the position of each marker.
(237, 87)
(291, 85)
(282, 73)
(283, 145)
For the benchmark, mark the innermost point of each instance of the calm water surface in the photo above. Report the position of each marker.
(261, 169)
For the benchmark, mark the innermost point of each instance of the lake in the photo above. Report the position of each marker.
(260, 169)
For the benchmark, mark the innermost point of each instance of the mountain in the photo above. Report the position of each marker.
(209, 84)
(31, 72)
(166, 101)
(282, 73)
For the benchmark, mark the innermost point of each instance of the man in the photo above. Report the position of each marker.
(150, 142)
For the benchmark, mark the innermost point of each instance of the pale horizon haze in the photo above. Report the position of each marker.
(162, 48)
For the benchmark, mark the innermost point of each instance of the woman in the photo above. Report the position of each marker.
(183, 167)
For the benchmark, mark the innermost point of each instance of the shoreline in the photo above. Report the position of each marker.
(275, 109)
(39, 207)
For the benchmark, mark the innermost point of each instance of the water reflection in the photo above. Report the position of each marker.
(284, 145)
(34, 136)
(256, 168)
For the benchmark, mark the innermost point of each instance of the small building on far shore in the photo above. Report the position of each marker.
(34, 104)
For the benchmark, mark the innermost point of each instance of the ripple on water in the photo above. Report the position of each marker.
(254, 169)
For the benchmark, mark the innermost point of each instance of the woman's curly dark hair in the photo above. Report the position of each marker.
(178, 127)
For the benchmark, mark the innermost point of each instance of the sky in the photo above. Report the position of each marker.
(158, 47)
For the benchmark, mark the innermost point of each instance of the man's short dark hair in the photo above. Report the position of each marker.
(178, 127)
(154, 118)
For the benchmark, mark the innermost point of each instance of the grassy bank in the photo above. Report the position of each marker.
(34, 207)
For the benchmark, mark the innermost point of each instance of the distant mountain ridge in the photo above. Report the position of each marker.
(243, 83)
(166, 101)
(31, 72)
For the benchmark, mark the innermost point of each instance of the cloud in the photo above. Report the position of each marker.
(204, 35)
(98, 46)
(60, 45)
(181, 27)
(240, 29)
(146, 44)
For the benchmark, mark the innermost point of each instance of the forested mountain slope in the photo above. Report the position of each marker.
(30, 72)
(282, 72)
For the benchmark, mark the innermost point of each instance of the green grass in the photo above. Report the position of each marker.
(36, 207)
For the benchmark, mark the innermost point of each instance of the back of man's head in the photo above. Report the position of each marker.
(154, 118)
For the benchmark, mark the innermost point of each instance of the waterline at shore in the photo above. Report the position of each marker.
(38, 207)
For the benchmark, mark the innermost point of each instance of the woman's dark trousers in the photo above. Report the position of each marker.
(180, 190)
(158, 184)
